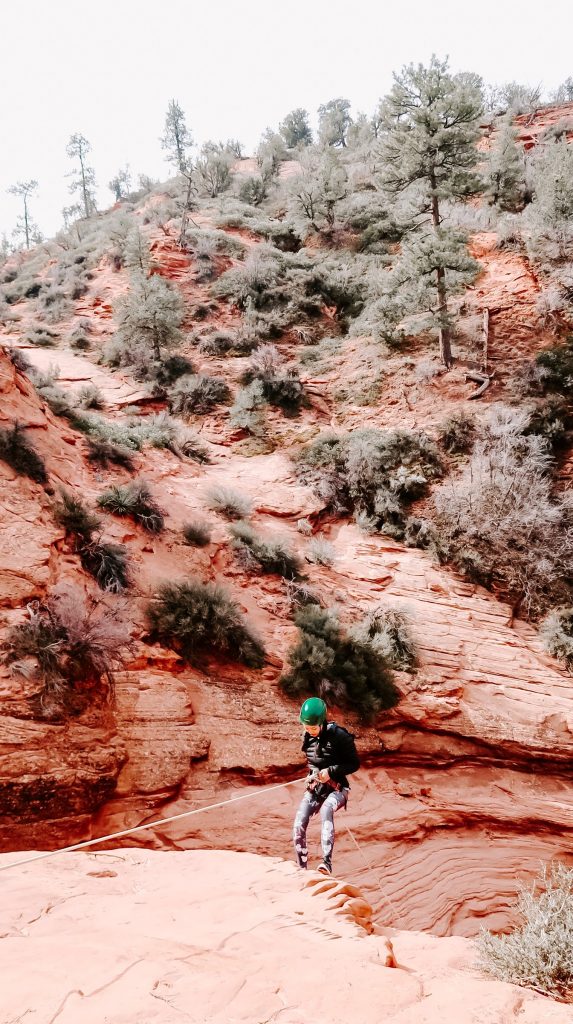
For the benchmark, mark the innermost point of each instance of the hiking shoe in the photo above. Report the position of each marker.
(325, 868)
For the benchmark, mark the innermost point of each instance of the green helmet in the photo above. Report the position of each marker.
(313, 711)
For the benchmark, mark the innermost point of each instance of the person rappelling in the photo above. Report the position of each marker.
(331, 756)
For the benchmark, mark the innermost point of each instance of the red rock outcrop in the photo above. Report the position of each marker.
(467, 783)
(228, 937)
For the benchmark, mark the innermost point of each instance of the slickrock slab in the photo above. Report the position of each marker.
(226, 938)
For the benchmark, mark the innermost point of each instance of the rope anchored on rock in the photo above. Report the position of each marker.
(150, 824)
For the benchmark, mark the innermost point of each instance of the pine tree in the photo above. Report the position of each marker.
(505, 170)
(25, 226)
(151, 313)
(334, 121)
(83, 177)
(553, 183)
(431, 126)
(136, 253)
(316, 192)
(177, 139)
(121, 184)
(550, 216)
(564, 92)
(214, 168)
(295, 129)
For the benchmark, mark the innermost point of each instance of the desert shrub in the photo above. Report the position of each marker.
(75, 518)
(106, 453)
(19, 359)
(55, 306)
(74, 644)
(304, 526)
(253, 191)
(377, 472)
(267, 555)
(538, 954)
(171, 369)
(134, 500)
(41, 337)
(550, 419)
(197, 533)
(58, 401)
(335, 665)
(159, 430)
(321, 551)
(228, 502)
(51, 393)
(190, 446)
(316, 353)
(220, 343)
(456, 434)
(80, 343)
(510, 232)
(528, 379)
(90, 397)
(19, 453)
(251, 281)
(283, 234)
(197, 394)
(557, 362)
(557, 635)
(108, 564)
(422, 533)
(500, 523)
(299, 594)
(246, 412)
(281, 387)
(388, 632)
(194, 617)
(210, 242)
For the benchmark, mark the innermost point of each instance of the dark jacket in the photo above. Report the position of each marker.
(334, 749)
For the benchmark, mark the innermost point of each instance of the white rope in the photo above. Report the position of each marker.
(373, 870)
(150, 824)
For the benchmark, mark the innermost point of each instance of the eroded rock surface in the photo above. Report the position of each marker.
(227, 938)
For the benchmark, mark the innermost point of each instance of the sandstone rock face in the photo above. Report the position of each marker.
(227, 938)
(465, 788)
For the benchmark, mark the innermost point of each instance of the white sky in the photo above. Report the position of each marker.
(108, 70)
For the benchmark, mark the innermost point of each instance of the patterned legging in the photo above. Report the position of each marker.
(308, 807)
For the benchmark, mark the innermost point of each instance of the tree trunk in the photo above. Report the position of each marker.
(84, 187)
(26, 223)
(185, 214)
(444, 333)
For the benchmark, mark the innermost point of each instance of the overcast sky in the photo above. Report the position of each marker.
(109, 69)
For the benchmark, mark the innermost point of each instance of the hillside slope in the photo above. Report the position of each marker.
(467, 783)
